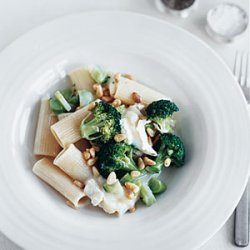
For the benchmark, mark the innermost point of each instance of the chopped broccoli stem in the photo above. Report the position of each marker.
(115, 188)
(156, 185)
(64, 101)
(147, 195)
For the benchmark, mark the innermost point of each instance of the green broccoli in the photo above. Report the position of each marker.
(116, 157)
(157, 186)
(160, 112)
(101, 124)
(58, 107)
(147, 195)
(170, 147)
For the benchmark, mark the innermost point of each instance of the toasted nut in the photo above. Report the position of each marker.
(150, 132)
(141, 164)
(95, 86)
(107, 98)
(111, 178)
(132, 187)
(78, 184)
(150, 141)
(167, 162)
(116, 102)
(128, 76)
(92, 152)
(70, 204)
(120, 137)
(86, 155)
(97, 149)
(130, 195)
(91, 106)
(148, 161)
(117, 77)
(106, 92)
(136, 97)
(132, 210)
(135, 174)
(91, 161)
(105, 87)
(95, 172)
(99, 91)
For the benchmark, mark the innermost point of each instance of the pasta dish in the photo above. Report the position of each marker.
(106, 139)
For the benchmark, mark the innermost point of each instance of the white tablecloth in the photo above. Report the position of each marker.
(19, 16)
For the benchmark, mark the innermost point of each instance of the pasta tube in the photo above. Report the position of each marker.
(125, 89)
(67, 130)
(57, 179)
(45, 143)
(81, 79)
(71, 161)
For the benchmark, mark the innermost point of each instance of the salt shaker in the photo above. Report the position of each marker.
(181, 8)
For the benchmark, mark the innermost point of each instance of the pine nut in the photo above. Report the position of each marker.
(95, 172)
(136, 97)
(141, 164)
(91, 161)
(150, 132)
(95, 86)
(117, 103)
(135, 174)
(150, 141)
(78, 184)
(99, 91)
(111, 178)
(105, 87)
(120, 137)
(132, 187)
(86, 155)
(132, 210)
(97, 149)
(92, 152)
(128, 76)
(91, 106)
(70, 204)
(148, 161)
(117, 77)
(107, 98)
(167, 162)
(106, 92)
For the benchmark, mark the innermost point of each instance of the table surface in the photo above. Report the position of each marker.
(19, 16)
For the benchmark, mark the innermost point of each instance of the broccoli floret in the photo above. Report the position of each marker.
(101, 124)
(116, 157)
(170, 147)
(160, 113)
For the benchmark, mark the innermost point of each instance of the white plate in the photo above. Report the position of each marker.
(213, 122)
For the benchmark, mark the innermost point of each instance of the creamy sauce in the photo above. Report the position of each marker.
(133, 126)
(110, 202)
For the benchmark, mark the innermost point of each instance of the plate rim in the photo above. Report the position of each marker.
(157, 19)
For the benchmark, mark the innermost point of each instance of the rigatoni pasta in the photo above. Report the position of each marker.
(126, 88)
(66, 131)
(114, 147)
(71, 161)
(57, 179)
(81, 79)
(45, 143)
